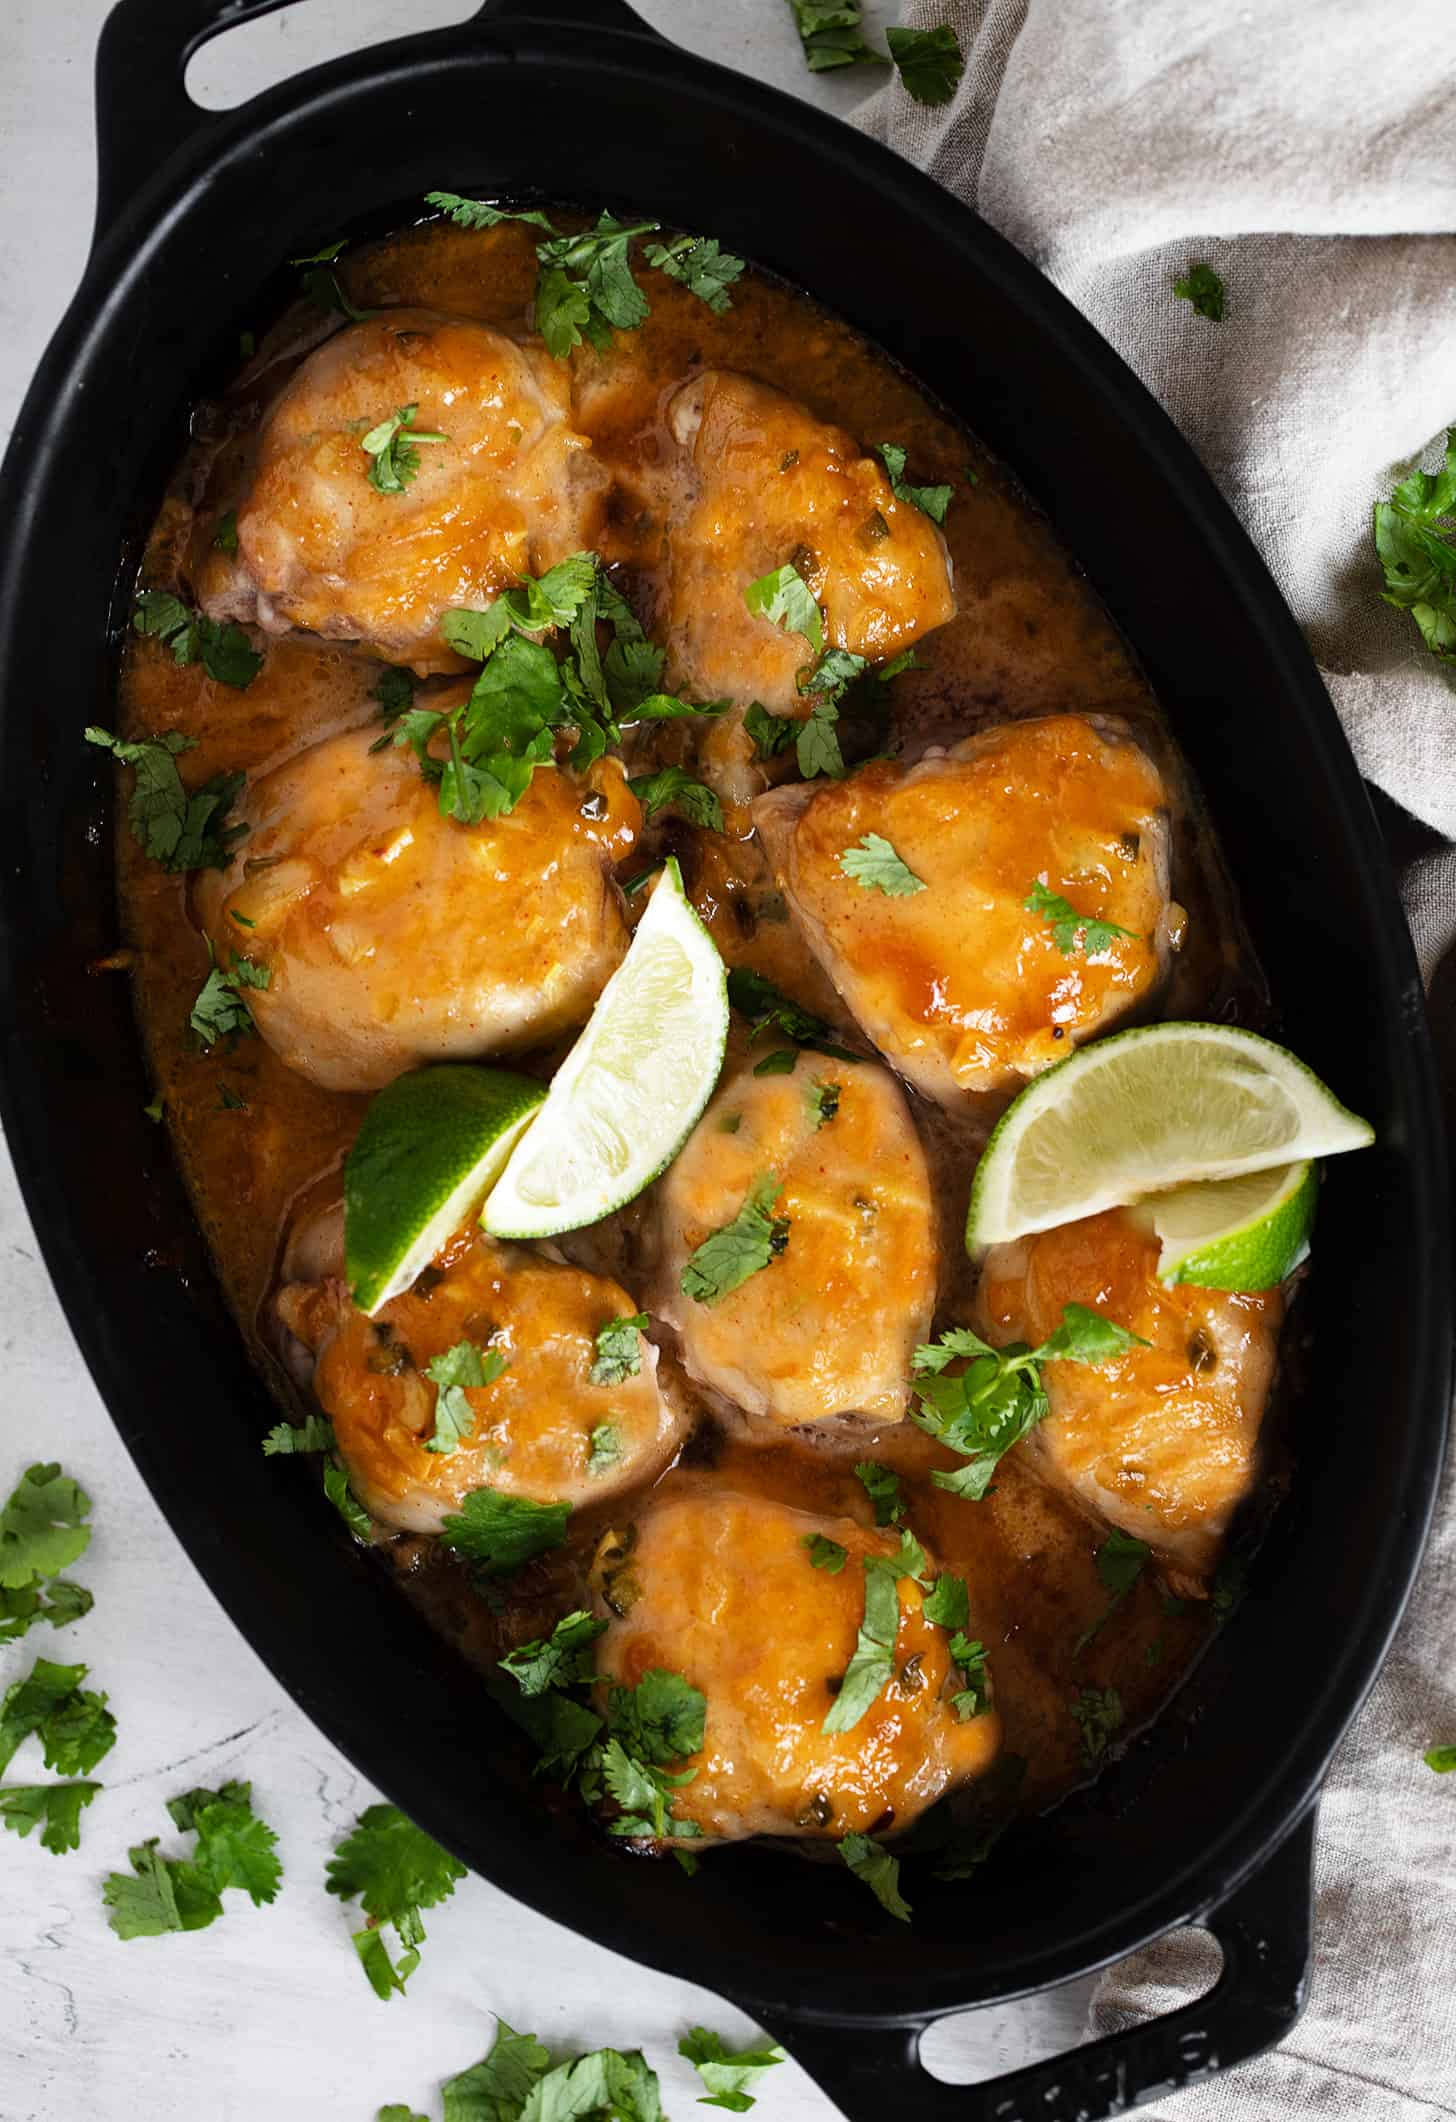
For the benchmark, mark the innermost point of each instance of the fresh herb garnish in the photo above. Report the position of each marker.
(1440, 1758)
(223, 650)
(768, 1008)
(395, 1870)
(457, 1370)
(785, 598)
(220, 1011)
(313, 1434)
(391, 449)
(974, 1699)
(1120, 1560)
(1415, 537)
(660, 1720)
(826, 1554)
(225, 537)
(872, 1862)
(516, 2083)
(604, 1449)
(60, 1805)
(395, 692)
(883, 1489)
(564, 1659)
(1202, 286)
(729, 2078)
(824, 1102)
(73, 1724)
(619, 1351)
(346, 1503)
(932, 501)
(701, 264)
(1098, 1710)
(833, 36)
(872, 1666)
(43, 1527)
(1068, 927)
(478, 213)
(182, 831)
(234, 1849)
(727, 1257)
(782, 1062)
(817, 745)
(498, 1532)
(874, 866)
(771, 734)
(998, 1399)
(948, 1603)
(928, 61)
(671, 788)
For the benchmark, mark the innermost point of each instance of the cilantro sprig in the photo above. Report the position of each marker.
(498, 1533)
(75, 1728)
(180, 829)
(563, 1659)
(392, 449)
(660, 1721)
(833, 35)
(727, 1257)
(928, 61)
(998, 1399)
(672, 788)
(932, 501)
(234, 1849)
(221, 1011)
(729, 2079)
(223, 649)
(1204, 288)
(395, 1871)
(1070, 930)
(1415, 538)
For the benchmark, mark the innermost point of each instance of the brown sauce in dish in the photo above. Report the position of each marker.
(253, 1137)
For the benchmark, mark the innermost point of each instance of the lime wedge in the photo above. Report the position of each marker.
(1142, 1112)
(432, 1144)
(626, 1097)
(1246, 1233)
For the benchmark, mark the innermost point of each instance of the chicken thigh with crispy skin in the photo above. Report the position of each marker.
(512, 488)
(723, 1591)
(769, 485)
(829, 1325)
(542, 1428)
(392, 935)
(958, 982)
(1162, 1441)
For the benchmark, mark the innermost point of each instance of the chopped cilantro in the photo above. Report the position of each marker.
(497, 2088)
(872, 1862)
(727, 1257)
(395, 1870)
(456, 1371)
(928, 61)
(223, 650)
(785, 598)
(234, 1849)
(1202, 286)
(883, 1489)
(768, 1008)
(659, 1721)
(872, 1666)
(833, 35)
(181, 830)
(347, 1504)
(948, 1603)
(1120, 1561)
(817, 745)
(43, 1526)
(619, 1352)
(564, 1659)
(477, 213)
(836, 669)
(395, 692)
(499, 1532)
(826, 1554)
(932, 501)
(671, 788)
(771, 734)
(605, 1449)
(906, 660)
(729, 2078)
(391, 449)
(824, 1102)
(1440, 1758)
(1098, 1710)
(1415, 538)
(60, 1805)
(1068, 927)
(974, 1699)
(585, 288)
(875, 866)
(220, 1011)
(313, 1434)
(701, 264)
(74, 1726)
(782, 1062)
(60, 1603)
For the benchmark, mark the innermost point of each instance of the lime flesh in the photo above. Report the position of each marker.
(1236, 1234)
(630, 1091)
(432, 1144)
(1145, 1111)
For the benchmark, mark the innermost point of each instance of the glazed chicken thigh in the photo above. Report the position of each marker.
(392, 935)
(723, 1591)
(511, 489)
(960, 983)
(542, 1428)
(771, 485)
(1162, 1441)
(829, 1325)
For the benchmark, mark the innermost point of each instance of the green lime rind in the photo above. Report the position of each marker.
(1144, 1111)
(432, 1145)
(1236, 1234)
(633, 1087)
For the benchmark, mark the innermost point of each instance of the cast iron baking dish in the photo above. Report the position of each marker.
(1209, 1817)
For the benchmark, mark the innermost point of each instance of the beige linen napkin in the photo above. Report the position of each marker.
(1307, 151)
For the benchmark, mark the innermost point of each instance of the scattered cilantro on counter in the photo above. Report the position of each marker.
(454, 1372)
(1098, 1710)
(394, 459)
(395, 1871)
(874, 866)
(1415, 538)
(932, 501)
(60, 1805)
(728, 2078)
(221, 647)
(671, 788)
(1069, 928)
(180, 829)
(928, 61)
(727, 1257)
(785, 598)
(1440, 1758)
(43, 1527)
(73, 1724)
(619, 1353)
(499, 1532)
(1202, 286)
(833, 35)
(883, 1489)
(234, 1849)
(872, 1863)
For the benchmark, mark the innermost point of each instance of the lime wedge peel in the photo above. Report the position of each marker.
(1145, 1111)
(432, 1144)
(629, 1093)
(1236, 1234)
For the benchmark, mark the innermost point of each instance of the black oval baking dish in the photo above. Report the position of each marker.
(1208, 1818)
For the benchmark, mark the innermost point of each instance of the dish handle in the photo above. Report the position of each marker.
(1263, 1929)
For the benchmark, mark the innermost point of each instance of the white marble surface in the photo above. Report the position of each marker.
(266, 2014)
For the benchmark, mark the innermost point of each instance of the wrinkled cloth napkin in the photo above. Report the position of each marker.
(1307, 151)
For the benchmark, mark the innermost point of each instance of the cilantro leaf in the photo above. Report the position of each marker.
(932, 501)
(74, 1726)
(313, 1434)
(880, 1872)
(768, 1008)
(727, 1257)
(870, 1669)
(605, 1449)
(782, 1062)
(883, 1489)
(223, 649)
(817, 744)
(395, 692)
(1120, 1560)
(459, 1368)
(671, 788)
(60, 1805)
(729, 2078)
(619, 1353)
(499, 1532)
(701, 264)
(948, 1604)
(1068, 927)
(42, 1527)
(398, 2112)
(395, 1870)
(391, 449)
(824, 1102)
(182, 831)
(974, 1698)
(149, 1905)
(771, 734)
(476, 213)
(28, 1604)
(661, 1719)
(1440, 1758)
(585, 288)
(1098, 1710)
(220, 1011)
(1202, 286)
(785, 598)
(564, 1659)
(1084, 1336)
(833, 36)
(494, 2089)
(1415, 539)
(347, 1504)
(826, 1554)
(928, 61)
(606, 2086)
(234, 1847)
(875, 866)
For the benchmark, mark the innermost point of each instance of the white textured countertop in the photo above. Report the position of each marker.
(265, 2017)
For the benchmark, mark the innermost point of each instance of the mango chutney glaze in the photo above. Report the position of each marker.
(253, 1136)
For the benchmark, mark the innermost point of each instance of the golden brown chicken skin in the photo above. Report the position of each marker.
(541, 1429)
(512, 489)
(723, 1591)
(960, 984)
(393, 935)
(829, 1325)
(1163, 1441)
(771, 485)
